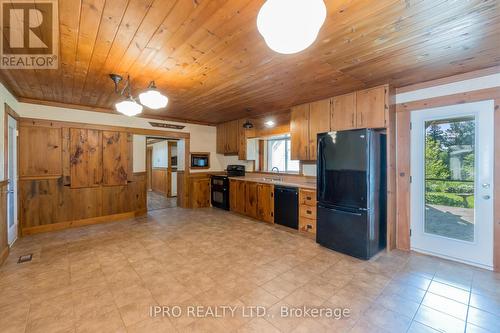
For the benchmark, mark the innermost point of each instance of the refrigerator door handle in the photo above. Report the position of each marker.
(343, 211)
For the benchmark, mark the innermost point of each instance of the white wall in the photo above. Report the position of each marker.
(139, 153)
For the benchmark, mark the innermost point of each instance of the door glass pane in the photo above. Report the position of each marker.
(449, 178)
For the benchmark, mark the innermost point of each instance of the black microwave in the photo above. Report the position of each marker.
(200, 160)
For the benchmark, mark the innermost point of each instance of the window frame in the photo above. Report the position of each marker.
(269, 142)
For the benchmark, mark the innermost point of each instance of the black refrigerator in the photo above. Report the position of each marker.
(352, 192)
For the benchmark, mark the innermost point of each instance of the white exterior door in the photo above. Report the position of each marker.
(12, 222)
(452, 182)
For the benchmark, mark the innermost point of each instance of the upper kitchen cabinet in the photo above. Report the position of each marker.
(319, 122)
(228, 141)
(299, 132)
(372, 106)
(343, 113)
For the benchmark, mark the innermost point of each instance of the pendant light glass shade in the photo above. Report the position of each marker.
(129, 107)
(152, 98)
(291, 26)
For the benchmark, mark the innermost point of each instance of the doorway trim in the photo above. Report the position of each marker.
(403, 161)
(8, 111)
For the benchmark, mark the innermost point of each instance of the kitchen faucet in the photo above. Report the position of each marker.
(277, 170)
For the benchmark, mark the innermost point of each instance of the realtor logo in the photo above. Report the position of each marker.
(30, 34)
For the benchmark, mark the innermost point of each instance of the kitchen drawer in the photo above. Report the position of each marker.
(308, 225)
(308, 197)
(308, 212)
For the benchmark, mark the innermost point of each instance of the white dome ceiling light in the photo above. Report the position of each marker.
(152, 98)
(291, 26)
(129, 107)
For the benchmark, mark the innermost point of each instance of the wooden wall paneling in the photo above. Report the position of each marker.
(371, 107)
(42, 202)
(299, 130)
(496, 195)
(115, 199)
(262, 144)
(159, 180)
(251, 199)
(115, 158)
(4, 242)
(343, 112)
(81, 203)
(137, 192)
(40, 151)
(130, 157)
(391, 172)
(94, 157)
(182, 191)
(319, 122)
(79, 164)
(66, 155)
(403, 173)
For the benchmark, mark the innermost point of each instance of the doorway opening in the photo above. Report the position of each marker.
(162, 157)
(452, 182)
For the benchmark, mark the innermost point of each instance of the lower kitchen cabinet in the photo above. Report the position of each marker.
(265, 204)
(200, 193)
(307, 211)
(252, 199)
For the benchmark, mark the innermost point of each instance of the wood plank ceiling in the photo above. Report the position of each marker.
(209, 58)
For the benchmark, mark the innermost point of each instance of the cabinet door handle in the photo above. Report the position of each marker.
(308, 198)
(309, 212)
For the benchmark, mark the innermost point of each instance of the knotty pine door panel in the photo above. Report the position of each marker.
(371, 107)
(115, 158)
(299, 132)
(343, 112)
(85, 157)
(39, 151)
(265, 204)
(319, 122)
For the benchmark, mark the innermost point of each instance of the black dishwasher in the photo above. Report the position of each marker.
(286, 206)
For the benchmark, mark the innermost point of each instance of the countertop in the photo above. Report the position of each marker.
(267, 180)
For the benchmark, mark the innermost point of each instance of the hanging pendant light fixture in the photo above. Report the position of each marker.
(291, 26)
(129, 107)
(152, 98)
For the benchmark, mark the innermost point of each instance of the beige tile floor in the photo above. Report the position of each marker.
(104, 278)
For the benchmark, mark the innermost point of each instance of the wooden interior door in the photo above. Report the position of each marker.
(371, 107)
(115, 158)
(265, 205)
(343, 112)
(299, 130)
(319, 122)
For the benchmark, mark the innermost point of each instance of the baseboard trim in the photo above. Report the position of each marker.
(80, 223)
(4, 255)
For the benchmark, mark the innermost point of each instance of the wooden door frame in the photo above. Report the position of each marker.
(403, 117)
(149, 168)
(9, 111)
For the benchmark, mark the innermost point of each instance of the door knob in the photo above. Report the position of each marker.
(486, 197)
(486, 185)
